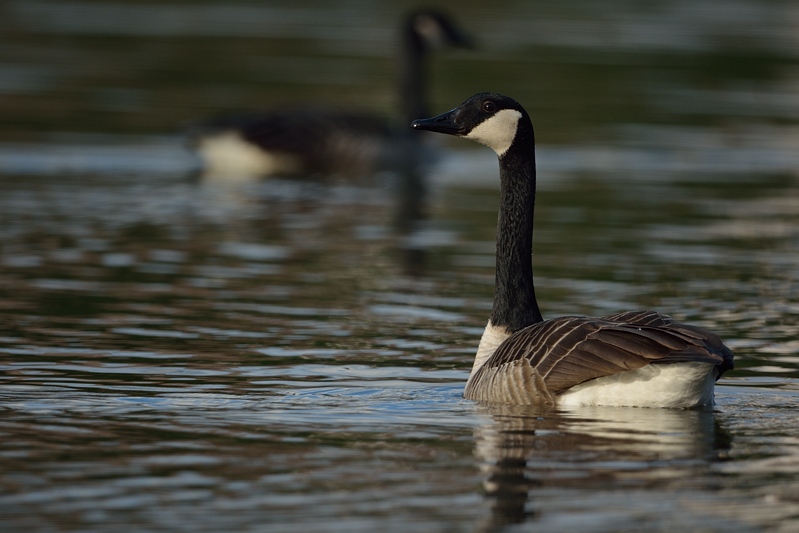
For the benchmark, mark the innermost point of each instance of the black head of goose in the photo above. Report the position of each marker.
(641, 358)
(312, 140)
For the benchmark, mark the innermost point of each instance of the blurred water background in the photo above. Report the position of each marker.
(184, 354)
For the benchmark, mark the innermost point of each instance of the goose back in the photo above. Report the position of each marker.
(564, 352)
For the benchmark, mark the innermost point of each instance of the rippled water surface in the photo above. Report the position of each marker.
(183, 354)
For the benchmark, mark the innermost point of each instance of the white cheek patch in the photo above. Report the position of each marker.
(427, 27)
(498, 131)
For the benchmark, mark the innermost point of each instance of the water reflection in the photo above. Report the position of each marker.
(539, 463)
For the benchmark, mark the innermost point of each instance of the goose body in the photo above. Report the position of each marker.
(316, 141)
(639, 358)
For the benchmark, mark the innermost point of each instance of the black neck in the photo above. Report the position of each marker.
(413, 101)
(515, 305)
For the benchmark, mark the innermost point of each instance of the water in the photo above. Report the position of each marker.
(183, 354)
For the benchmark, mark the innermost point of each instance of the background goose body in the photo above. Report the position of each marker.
(298, 141)
(310, 141)
(643, 359)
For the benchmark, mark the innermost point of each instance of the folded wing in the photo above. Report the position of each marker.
(567, 351)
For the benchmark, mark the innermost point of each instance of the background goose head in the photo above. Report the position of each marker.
(494, 120)
(424, 31)
(430, 29)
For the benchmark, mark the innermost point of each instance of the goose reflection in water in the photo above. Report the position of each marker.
(528, 456)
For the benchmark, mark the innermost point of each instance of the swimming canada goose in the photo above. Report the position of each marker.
(641, 358)
(312, 140)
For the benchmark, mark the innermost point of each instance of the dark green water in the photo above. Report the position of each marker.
(180, 354)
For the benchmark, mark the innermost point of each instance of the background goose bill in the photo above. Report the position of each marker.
(443, 123)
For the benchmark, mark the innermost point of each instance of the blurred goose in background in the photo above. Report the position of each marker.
(642, 358)
(308, 141)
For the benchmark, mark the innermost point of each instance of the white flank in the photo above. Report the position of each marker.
(676, 385)
(498, 131)
(227, 155)
(492, 337)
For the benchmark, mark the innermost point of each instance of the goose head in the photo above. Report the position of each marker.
(491, 119)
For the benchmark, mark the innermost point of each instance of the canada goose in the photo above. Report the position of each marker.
(311, 140)
(643, 359)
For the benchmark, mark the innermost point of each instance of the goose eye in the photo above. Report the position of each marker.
(489, 107)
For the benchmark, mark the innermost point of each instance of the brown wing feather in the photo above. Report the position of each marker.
(652, 318)
(568, 351)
